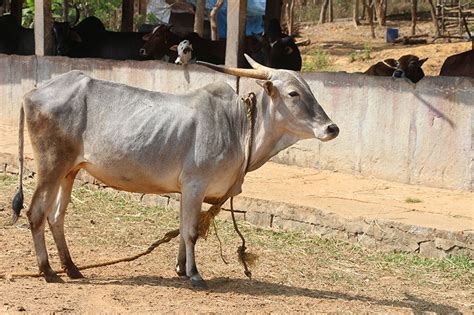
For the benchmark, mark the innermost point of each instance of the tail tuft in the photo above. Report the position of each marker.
(17, 205)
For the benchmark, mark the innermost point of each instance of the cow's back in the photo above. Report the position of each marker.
(459, 65)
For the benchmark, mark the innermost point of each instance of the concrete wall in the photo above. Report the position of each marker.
(391, 129)
(19, 74)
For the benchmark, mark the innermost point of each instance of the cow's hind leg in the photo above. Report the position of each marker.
(56, 224)
(43, 199)
(191, 203)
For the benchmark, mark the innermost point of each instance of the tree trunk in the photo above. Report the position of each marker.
(380, 7)
(434, 18)
(331, 12)
(199, 17)
(324, 8)
(66, 10)
(413, 16)
(369, 5)
(213, 18)
(127, 16)
(291, 17)
(355, 12)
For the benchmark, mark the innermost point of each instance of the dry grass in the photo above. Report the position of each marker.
(102, 221)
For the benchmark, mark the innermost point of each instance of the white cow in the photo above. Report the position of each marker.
(151, 142)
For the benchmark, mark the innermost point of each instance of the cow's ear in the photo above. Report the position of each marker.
(422, 61)
(147, 36)
(75, 37)
(288, 50)
(267, 85)
(174, 48)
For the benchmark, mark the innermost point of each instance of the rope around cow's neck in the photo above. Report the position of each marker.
(208, 216)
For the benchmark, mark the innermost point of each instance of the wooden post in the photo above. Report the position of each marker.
(413, 16)
(127, 16)
(16, 10)
(272, 11)
(142, 7)
(43, 28)
(236, 19)
(199, 17)
(434, 18)
(331, 12)
(291, 18)
(355, 12)
(213, 19)
(324, 9)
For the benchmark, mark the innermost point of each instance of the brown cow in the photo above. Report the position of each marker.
(459, 65)
(408, 66)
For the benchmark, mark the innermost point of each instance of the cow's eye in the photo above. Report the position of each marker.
(294, 93)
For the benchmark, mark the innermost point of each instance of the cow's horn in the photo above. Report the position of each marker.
(239, 72)
(256, 65)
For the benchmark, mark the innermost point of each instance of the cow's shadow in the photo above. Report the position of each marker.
(262, 288)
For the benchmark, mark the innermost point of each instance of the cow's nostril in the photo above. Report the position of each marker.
(332, 129)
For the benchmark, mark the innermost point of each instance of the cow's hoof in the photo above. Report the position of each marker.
(74, 273)
(53, 278)
(181, 272)
(199, 284)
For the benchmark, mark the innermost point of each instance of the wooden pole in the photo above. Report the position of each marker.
(331, 11)
(16, 10)
(414, 4)
(43, 26)
(213, 18)
(199, 17)
(434, 18)
(324, 8)
(272, 11)
(142, 7)
(236, 18)
(127, 16)
(291, 18)
(355, 12)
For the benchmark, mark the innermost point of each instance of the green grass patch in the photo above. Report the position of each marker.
(316, 60)
(412, 200)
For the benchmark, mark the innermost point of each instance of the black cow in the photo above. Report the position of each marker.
(80, 40)
(279, 50)
(90, 39)
(121, 45)
(15, 39)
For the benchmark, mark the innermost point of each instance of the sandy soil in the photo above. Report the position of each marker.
(294, 273)
(340, 40)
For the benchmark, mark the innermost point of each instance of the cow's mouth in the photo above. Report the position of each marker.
(330, 132)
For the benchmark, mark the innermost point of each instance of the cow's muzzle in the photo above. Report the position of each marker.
(328, 133)
(143, 52)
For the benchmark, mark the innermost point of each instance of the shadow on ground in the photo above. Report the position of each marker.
(261, 288)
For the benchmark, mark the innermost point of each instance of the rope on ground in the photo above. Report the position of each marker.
(244, 258)
(168, 237)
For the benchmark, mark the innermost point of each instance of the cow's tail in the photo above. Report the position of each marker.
(17, 203)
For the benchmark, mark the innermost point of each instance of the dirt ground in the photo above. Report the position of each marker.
(342, 39)
(295, 272)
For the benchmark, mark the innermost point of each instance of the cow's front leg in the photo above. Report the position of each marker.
(191, 203)
(181, 260)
